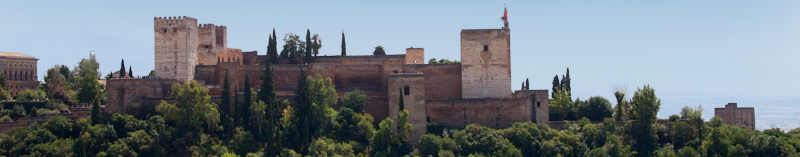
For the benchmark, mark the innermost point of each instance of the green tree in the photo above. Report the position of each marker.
(379, 51)
(402, 104)
(226, 111)
(272, 134)
(687, 152)
(645, 106)
(31, 95)
(344, 46)
(666, 151)
(307, 57)
(272, 48)
(681, 134)
(244, 114)
(192, 111)
(130, 71)
(316, 44)
(303, 113)
(122, 69)
(621, 110)
(322, 94)
(355, 100)
(596, 109)
(152, 73)
(88, 85)
(716, 144)
(95, 115)
(293, 49)
(556, 87)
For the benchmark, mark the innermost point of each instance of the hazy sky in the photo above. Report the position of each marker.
(713, 48)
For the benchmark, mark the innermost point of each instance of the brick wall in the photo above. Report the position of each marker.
(490, 112)
(442, 81)
(412, 87)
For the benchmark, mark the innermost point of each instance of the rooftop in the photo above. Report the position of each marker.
(12, 54)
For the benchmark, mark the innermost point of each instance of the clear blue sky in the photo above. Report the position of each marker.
(685, 48)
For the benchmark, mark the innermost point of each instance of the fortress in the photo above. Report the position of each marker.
(478, 90)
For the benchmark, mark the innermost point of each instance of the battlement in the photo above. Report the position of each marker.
(180, 20)
(210, 26)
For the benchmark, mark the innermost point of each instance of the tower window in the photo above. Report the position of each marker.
(406, 90)
(485, 47)
(538, 104)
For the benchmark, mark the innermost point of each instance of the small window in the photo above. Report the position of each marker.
(406, 90)
(538, 104)
(485, 47)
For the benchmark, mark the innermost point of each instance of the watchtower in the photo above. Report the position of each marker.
(485, 63)
(175, 47)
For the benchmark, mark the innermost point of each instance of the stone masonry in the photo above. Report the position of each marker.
(486, 63)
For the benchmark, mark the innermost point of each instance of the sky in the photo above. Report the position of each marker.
(683, 49)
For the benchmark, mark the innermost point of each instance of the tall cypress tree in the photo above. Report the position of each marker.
(273, 113)
(556, 87)
(95, 113)
(122, 69)
(236, 113)
(303, 112)
(402, 104)
(272, 48)
(245, 112)
(308, 58)
(344, 47)
(527, 84)
(130, 71)
(225, 105)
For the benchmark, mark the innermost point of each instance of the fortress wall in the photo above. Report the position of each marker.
(490, 112)
(126, 95)
(442, 81)
(540, 104)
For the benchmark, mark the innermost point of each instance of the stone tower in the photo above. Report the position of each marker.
(485, 63)
(175, 47)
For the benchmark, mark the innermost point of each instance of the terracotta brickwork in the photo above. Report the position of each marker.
(442, 81)
(739, 116)
(490, 112)
(486, 63)
(20, 71)
(127, 95)
(415, 56)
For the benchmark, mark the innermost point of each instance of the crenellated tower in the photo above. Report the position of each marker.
(175, 47)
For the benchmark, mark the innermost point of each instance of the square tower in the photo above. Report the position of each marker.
(175, 47)
(485, 63)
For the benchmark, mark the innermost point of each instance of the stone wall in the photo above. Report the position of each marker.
(540, 104)
(486, 64)
(442, 81)
(175, 47)
(127, 95)
(739, 116)
(490, 112)
(412, 87)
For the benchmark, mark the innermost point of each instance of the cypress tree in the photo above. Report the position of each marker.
(303, 112)
(122, 69)
(245, 112)
(344, 47)
(556, 87)
(402, 104)
(307, 58)
(568, 80)
(272, 48)
(273, 113)
(523, 86)
(527, 84)
(236, 113)
(130, 71)
(225, 105)
(95, 113)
